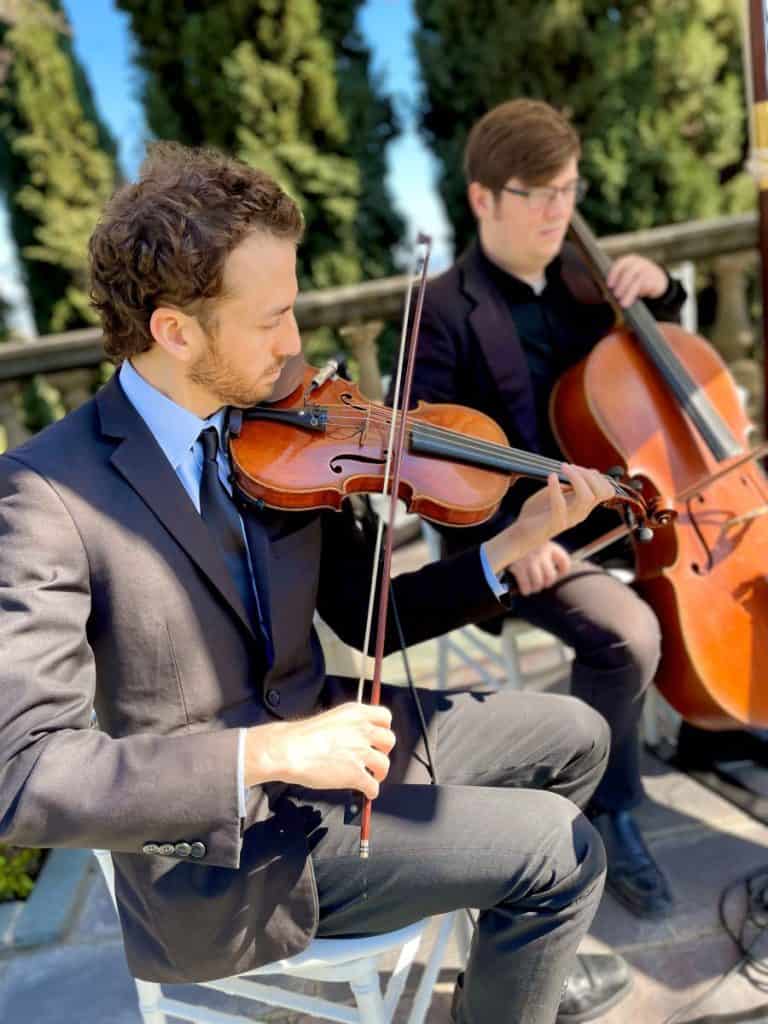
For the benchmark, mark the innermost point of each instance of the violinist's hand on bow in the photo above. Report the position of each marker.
(344, 748)
(547, 513)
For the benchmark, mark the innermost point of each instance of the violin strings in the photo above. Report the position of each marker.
(463, 441)
(464, 444)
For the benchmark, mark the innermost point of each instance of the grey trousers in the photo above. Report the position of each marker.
(617, 644)
(501, 832)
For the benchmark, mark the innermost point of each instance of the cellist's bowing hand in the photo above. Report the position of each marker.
(634, 277)
(549, 512)
(344, 748)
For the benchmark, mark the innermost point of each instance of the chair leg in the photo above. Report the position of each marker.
(423, 995)
(511, 655)
(367, 991)
(442, 662)
(464, 931)
(149, 995)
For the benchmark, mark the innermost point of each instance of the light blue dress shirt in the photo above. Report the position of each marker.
(176, 430)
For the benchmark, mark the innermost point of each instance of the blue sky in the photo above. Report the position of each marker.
(102, 41)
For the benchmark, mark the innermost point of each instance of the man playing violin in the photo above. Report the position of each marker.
(498, 328)
(226, 770)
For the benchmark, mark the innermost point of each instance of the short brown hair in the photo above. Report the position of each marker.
(524, 139)
(166, 238)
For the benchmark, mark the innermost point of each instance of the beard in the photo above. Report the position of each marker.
(213, 372)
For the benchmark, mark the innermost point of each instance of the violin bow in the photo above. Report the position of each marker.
(757, 165)
(382, 564)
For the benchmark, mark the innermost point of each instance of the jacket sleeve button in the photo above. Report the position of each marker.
(182, 849)
(273, 698)
(165, 849)
(150, 848)
(197, 850)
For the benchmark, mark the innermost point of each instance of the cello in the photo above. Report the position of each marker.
(659, 402)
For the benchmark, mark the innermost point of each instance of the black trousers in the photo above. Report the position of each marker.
(501, 832)
(617, 645)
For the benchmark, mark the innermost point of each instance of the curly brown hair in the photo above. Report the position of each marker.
(524, 139)
(165, 239)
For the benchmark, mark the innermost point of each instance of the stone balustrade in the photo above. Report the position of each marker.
(722, 249)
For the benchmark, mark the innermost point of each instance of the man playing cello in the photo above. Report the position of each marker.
(498, 328)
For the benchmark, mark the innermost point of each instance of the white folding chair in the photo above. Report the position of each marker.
(470, 645)
(354, 960)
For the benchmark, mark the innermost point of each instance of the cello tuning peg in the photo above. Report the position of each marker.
(636, 483)
(644, 534)
(616, 472)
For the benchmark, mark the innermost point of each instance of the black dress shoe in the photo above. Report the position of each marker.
(596, 983)
(634, 877)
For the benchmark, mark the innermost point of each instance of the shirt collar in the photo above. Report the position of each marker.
(175, 428)
(515, 287)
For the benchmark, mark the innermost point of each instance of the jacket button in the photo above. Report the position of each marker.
(165, 849)
(273, 698)
(197, 850)
(150, 848)
(182, 849)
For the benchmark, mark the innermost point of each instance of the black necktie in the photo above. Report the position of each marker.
(221, 516)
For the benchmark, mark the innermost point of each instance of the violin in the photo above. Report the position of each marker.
(325, 441)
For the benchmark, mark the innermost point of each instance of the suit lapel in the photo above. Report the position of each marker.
(141, 462)
(497, 337)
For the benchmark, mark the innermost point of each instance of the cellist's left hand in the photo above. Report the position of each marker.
(634, 277)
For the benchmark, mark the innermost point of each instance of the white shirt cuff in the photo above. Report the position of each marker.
(241, 773)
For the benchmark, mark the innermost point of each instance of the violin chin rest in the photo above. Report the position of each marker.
(291, 377)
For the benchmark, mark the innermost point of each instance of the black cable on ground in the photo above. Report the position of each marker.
(745, 931)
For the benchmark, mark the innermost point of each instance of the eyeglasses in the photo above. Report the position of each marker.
(542, 196)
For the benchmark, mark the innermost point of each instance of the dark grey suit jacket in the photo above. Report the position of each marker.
(112, 595)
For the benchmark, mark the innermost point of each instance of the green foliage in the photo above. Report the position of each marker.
(41, 403)
(371, 125)
(257, 78)
(653, 86)
(5, 309)
(57, 163)
(18, 869)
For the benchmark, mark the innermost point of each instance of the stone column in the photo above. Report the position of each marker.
(361, 339)
(12, 429)
(75, 386)
(732, 333)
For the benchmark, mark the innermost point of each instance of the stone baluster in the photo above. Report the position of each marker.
(12, 429)
(733, 334)
(75, 386)
(361, 339)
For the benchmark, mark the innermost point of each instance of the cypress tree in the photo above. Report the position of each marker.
(57, 162)
(257, 79)
(653, 86)
(371, 125)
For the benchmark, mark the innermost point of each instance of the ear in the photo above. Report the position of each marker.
(481, 200)
(175, 333)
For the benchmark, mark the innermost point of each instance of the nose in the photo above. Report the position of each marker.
(290, 339)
